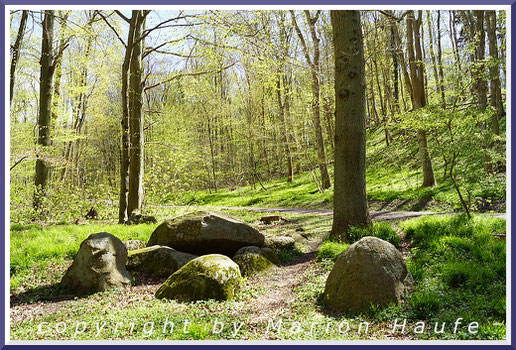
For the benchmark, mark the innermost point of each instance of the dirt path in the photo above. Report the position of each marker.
(280, 284)
(375, 215)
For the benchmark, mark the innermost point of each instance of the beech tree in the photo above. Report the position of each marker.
(47, 62)
(349, 198)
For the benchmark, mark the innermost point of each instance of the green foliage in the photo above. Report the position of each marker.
(330, 250)
(458, 265)
(425, 303)
(383, 230)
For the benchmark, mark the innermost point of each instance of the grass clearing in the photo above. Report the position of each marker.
(458, 266)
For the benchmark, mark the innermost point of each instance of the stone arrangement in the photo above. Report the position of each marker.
(193, 252)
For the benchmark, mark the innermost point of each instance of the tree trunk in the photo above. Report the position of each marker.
(349, 198)
(480, 83)
(316, 108)
(45, 106)
(418, 92)
(432, 52)
(16, 52)
(440, 60)
(58, 74)
(495, 91)
(395, 70)
(283, 127)
(135, 97)
(125, 144)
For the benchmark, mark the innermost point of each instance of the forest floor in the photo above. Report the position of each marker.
(290, 291)
(384, 215)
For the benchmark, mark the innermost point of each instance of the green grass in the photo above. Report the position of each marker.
(458, 265)
(330, 250)
(387, 189)
(36, 249)
(383, 230)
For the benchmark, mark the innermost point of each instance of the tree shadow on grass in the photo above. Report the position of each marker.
(52, 293)
(45, 293)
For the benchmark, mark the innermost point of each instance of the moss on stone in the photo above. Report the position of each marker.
(207, 277)
(252, 260)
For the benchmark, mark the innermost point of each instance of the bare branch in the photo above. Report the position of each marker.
(122, 16)
(112, 28)
(18, 162)
(150, 50)
(190, 75)
(301, 38)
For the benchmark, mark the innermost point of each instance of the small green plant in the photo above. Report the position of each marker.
(382, 230)
(331, 250)
(425, 303)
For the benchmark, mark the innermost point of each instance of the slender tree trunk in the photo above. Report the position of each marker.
(284, 135)
(395, 70)
(418, 92)
(480, 82)
(125, 143)
(440, 60)
(495, 91)
(316, 108)
(16, 52)
(57, 80)
(45, 106)
(136, 136)
(453, 39)
(349, 199)
(432, 52)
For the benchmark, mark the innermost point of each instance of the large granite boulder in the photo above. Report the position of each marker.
(252, 260)
(369, 271)
(205, 232)
(158, 261)
(99, 265)
(211, 276)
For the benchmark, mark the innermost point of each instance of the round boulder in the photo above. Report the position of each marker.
(254, 259)
(205, 232)
(370, 271)
(99, 265)
(157, 260)
(211, 276)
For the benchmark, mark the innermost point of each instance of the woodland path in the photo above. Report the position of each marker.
(375, 215)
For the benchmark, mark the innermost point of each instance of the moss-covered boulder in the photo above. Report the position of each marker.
(252, 260)
(158, 261)
(206, 232)
(370, 271)
(280, 243)
(134, 244)
(99, 265)
(211, 276)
